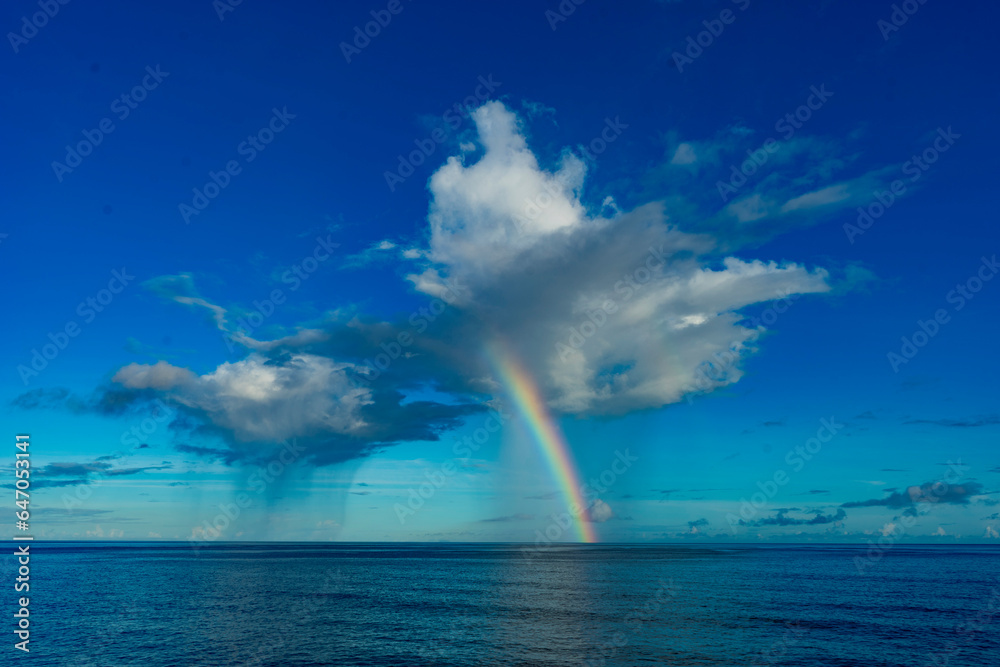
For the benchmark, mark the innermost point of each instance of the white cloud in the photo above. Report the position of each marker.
(684, 155)
(372, 253)
(599, 512)
(613, 311)
(538, 269)
(824, 197)
(259, 401)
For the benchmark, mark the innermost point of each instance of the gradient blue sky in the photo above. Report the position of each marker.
(680, 124)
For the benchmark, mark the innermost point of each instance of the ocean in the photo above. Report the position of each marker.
(157, 605)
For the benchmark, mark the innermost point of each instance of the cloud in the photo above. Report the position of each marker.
(698, 523)
(512, 517)
(544, 496)
(71, 469)
(685, 154)
(868, 414)
(928, 492)
(972, 422)
(53, 474)
(599, 512)
(613, 314)
(319, 403)
(374, 253)
(533, 109)
(48, 399)
(781, 518)
(180, 288)
(532, 266)
(209, 453)
(63, 515)
(82, 472)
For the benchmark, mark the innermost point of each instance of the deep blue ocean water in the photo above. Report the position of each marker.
(367, 604)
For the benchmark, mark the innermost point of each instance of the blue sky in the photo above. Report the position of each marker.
(503, 169)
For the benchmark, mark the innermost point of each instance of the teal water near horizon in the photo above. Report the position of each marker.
(160, 604)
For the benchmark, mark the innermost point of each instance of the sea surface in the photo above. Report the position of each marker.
(160, 605)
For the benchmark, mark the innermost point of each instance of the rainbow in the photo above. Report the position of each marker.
(530, 405)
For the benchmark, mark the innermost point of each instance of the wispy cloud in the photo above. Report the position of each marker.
(781, 518)
(970, 422)
(928, 492)
(505, 519)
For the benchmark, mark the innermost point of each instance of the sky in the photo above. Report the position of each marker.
(518, 272)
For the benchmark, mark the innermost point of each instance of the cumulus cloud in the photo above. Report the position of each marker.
(599, 512)
(321, 404)
(260, 401)
(616, 314)
(614, 311)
